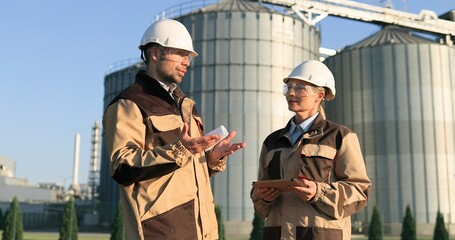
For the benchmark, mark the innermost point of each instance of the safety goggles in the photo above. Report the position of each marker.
(174, 52)
(300, 90)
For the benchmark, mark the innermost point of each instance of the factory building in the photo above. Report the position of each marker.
(11, 186)
(42, 205)
(37, 202)
(394, 89)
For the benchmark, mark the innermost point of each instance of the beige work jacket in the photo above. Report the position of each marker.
(165, 189)
(330, 155)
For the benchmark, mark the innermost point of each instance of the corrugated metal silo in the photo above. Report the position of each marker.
(396, 90)
(245, 51)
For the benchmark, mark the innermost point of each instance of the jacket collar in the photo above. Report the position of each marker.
(316, 129)
(152, 86)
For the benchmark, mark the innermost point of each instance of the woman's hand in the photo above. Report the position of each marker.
(268, 194)
(305, 192)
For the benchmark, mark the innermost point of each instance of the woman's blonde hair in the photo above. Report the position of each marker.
(322, 104)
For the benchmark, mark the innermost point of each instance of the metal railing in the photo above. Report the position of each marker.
(195, 5)
(122, 64)
(183, 8)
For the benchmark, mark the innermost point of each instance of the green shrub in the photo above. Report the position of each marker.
(408, 230)
(68, 230)
(13, 228)
(440, 231)
(219, 218)
(258, 227)
(117, 226)
(375, 229)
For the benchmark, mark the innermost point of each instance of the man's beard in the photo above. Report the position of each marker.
(165, 77)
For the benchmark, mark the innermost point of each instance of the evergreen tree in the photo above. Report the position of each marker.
(219, 218)
(440, 231)
(258, 226)
(68, 230)
(1, 219)
(375, 230)
(14, 228)
(117, 226)
(408, 230)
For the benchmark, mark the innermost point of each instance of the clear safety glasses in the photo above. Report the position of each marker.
(300, 90)
(173, 53)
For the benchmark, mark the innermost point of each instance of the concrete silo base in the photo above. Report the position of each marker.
(423, 229)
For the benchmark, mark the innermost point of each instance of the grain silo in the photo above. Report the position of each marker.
(396, 90)
(245, 49)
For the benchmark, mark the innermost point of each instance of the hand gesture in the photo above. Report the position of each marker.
(225, 147)
(197, 144)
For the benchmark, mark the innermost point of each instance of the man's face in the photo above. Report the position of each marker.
(172, 64)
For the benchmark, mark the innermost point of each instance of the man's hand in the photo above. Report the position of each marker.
(225, 147)
(197, 144)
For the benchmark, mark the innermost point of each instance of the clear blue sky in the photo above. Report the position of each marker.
(53, 56)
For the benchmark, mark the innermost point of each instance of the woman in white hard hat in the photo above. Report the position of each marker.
(324, 157)
(158, 153)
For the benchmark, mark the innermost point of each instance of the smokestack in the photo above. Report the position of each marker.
(76, 160)
(75, 189)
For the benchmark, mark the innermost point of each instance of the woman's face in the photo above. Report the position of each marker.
(302, 98)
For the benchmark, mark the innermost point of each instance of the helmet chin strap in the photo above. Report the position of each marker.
(143, 57)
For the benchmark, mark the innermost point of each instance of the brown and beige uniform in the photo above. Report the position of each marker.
(330, 155)
(165, 189)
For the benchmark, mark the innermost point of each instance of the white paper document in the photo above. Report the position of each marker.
(221, 130)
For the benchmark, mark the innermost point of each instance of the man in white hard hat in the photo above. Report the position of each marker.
(323, 157)
(158, 152)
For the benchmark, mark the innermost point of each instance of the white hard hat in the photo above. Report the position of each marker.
(168, 33)
(316, 73)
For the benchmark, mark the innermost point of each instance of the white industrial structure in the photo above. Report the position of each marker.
(247, 47)
(93, 181)
(75, 189)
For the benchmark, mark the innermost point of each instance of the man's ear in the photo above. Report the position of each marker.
(154, 54)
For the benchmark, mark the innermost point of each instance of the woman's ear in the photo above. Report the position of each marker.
(321, 96)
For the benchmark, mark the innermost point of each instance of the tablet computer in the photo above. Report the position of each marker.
(281, 184)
